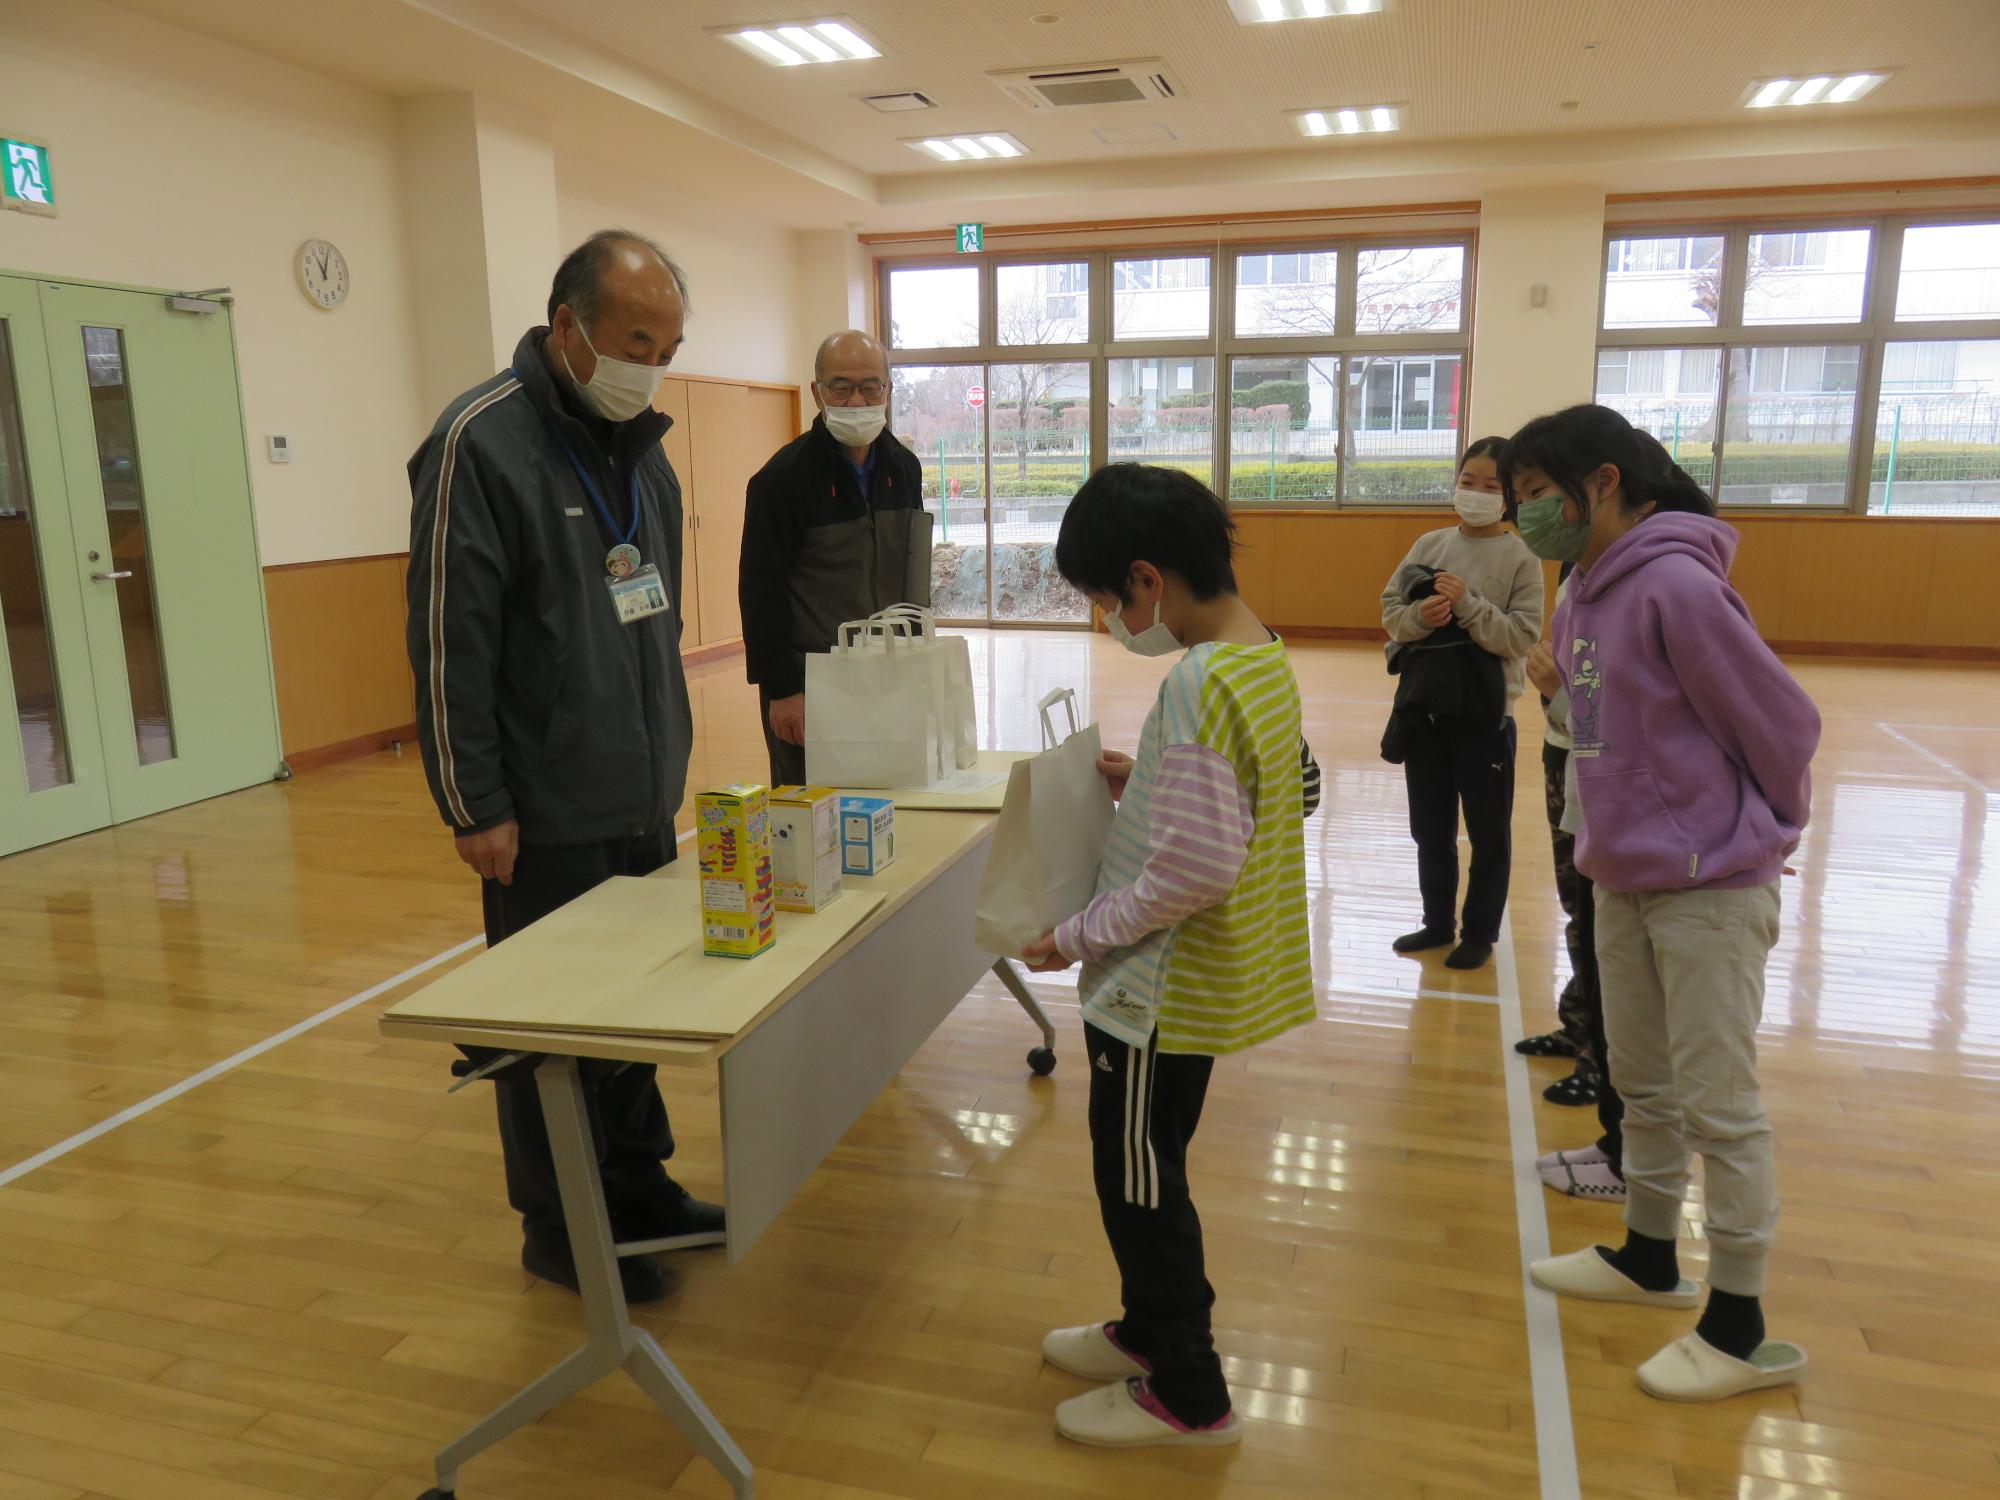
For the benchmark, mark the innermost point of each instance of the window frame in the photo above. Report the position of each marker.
(1873, 331)
(1222, 345)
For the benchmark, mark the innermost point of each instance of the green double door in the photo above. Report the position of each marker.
(136, 669)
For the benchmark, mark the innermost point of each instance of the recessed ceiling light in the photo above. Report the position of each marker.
(983, 146)
(791, 44)
(1819, 88)
(1259, 12)
(1366, 119)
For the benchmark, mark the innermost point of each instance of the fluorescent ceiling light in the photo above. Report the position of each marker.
(980, 146)
(790, 44)
(1820, 88)
(809, 44)
(1361, 120)
(847, 39)
(1262, 12)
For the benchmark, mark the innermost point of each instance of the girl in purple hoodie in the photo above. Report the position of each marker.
(1693, 748)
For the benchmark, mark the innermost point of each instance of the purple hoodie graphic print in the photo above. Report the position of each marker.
(1694, 745)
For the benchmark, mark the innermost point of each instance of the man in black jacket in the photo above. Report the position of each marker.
(544, 629)
(834, 529)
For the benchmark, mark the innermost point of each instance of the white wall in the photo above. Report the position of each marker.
(1527, 360)
(742, 275)
(181, 162)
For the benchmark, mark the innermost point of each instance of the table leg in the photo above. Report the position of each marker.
(613, 1342)
(1043, 1058)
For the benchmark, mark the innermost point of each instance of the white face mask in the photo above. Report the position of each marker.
(1477, 508)
(618, 390)
(856, 426)
(1154, 640)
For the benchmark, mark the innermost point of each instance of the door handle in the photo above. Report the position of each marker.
(109, 577)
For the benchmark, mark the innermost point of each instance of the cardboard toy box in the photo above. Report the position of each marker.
(867, 834)
(739, 916)
(805, 846)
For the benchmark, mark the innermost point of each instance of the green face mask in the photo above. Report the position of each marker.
(1547, 534)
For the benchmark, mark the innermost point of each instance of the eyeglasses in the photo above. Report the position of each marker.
(871, 391)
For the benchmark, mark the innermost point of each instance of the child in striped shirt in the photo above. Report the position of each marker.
(1196, 942)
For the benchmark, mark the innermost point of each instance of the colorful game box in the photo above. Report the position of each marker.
(739, 915)
(805, 846)
(867, 834)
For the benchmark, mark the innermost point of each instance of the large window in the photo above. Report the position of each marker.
(1323, 373)
(1851, 366)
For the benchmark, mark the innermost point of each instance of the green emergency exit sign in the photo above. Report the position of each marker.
(971, 238)
(25, 182)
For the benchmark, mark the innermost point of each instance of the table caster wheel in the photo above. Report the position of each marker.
(1042, 1061)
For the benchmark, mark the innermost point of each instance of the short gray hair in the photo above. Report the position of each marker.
(579, 279)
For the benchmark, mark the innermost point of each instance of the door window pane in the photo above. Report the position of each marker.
(1401, 428)
(1040, 434)
(1279, 295)
(130, 556)
(1284, 430)
(1409, 290)
(1160, 299)
(1789, 425)
(1153, 423)
(1671, 393)
(1949, 271)
(1816, 276)
(1937, 431)
(24, 615)
(934, 308)
(1672, 282)
(1044, 304)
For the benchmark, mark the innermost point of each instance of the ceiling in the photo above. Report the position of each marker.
(1654, 88)
(1461, 68)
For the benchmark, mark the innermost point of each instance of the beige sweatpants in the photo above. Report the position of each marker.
(1683, 980)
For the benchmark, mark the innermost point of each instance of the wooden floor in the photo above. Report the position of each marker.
(298, 1278)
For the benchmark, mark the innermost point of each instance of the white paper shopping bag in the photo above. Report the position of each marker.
(871, 709)
(951, 681)
(1049, 841)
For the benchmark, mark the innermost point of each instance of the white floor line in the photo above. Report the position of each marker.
(132, 1112)
(1555, 1437)
(1935, 759)
(1366, 992)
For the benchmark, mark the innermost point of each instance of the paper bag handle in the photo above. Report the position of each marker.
(888, 630)
(1067, 697)
(923, 622)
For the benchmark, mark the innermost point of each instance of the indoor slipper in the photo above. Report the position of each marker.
(1128, 1415)
(1586, 1275)
(1692, 1369)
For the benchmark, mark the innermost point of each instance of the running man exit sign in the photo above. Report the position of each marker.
(971, 238)
(25, 183)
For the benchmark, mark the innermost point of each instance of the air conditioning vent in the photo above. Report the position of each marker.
(1088, 85)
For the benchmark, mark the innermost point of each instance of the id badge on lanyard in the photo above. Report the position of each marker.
(637, 590)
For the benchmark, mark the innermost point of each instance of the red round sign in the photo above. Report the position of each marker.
(975, 397)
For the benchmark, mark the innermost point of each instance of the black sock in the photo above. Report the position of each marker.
(1649, 1262)
(1733, 1324)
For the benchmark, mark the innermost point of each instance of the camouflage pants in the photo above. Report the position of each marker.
(1571, 1013)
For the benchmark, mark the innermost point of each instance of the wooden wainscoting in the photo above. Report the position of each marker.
(1838, 585)
(344, 685)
